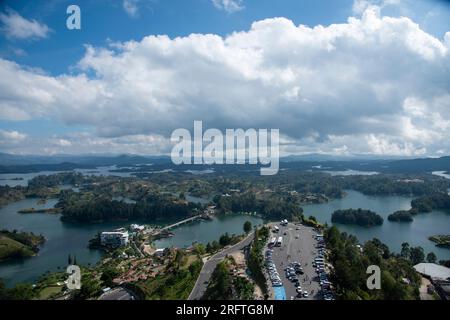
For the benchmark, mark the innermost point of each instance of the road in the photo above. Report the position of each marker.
(302, 250)
(209, 266)
(117, 294)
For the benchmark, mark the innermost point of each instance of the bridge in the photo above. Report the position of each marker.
(193, 218)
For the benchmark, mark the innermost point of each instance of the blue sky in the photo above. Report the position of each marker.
(58, 60)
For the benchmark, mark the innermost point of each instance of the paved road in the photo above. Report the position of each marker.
(117, 294)
(302, 250)
(209, 266)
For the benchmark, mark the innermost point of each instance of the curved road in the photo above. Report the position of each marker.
(209, 266)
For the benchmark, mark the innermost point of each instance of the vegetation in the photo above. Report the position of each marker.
(19, 245)
(224, 240)
(401, 216)
(350, 264)
(174, 283)
(89, 207)
(19, 292)
(256, 259)
(360, 217)
(225, 286)
(441, 240)
(431, 257)
(272, 207)
(437, 201)
(247, 226)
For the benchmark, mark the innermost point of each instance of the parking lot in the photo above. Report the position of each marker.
(297, 264)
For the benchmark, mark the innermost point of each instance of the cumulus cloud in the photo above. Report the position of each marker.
(14, 26)
(11, 138)
(229, 6)
(374, 84)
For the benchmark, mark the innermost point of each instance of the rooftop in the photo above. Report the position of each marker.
(433, 270)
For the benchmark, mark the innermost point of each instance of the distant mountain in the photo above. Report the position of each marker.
(97, 160)
(316, 162)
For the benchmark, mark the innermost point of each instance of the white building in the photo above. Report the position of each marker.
(137, 228)
(114, 238)
(433, 270)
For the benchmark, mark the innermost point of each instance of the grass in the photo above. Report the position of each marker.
(10, 248)
(48, 292)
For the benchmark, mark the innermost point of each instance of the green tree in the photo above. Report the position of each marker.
(247, 227)
(108, 276)
(431, 257)
(405, 252)
(416, 255)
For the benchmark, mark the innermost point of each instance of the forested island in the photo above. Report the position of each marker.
(436, 201)
(441, 240)
(89, 207)
(360, 217)
(401, 216)
(19, 245)
(425, 204)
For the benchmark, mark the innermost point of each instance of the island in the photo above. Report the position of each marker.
(441, 240)
(401, 216)
(360, 217)
(33, 210)
(19, 245)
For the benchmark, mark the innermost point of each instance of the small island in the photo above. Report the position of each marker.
(33, 210)
(19, 245)
(401, 216)
(360, 217)
(441, 240)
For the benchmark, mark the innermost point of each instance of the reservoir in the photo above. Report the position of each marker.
(392, 234)
(63, 239)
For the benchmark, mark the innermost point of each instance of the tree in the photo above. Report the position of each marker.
(247, 227)
(416, 255)
(199, 248)
(108, 276)
(431, 257)
(225, 239)
(405, 252)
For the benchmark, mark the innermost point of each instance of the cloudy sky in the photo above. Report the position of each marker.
(335, 77)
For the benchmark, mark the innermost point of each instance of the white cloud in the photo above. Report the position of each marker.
(133, 7)
(130, 7)
(11, 137)
(371, 85)
(14, 26)
(229, 6)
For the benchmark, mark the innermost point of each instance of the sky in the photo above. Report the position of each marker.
(335, 77)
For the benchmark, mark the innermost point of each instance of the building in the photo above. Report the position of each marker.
(439, 277)
(137, 228)
(114, 238)
(433, 271)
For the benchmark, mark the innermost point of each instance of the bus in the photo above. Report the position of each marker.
(279, 241)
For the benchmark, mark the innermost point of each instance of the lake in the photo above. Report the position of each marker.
(393, 234)
(63, 239)
(206, 231)
(66, 238)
